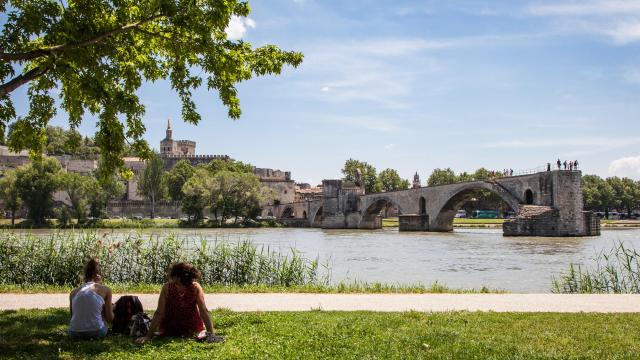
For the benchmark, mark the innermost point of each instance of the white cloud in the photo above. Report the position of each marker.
(401, 47)
(385, 71)
(624, 32)
(390, 146)
(626, 167)
(238, 27)
(582, 8)
(618, 20)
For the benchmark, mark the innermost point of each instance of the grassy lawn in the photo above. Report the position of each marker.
(346, 335)
(477, 221)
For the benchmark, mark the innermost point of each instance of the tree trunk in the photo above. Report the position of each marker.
(13, 218)
(153, 206)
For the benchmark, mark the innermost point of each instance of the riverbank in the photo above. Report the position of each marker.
(346, 335)
(157, 223)
(204, 224)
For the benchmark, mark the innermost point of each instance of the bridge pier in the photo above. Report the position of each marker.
(413, 222)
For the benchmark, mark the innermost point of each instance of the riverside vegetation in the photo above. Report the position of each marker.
(137, 263)
(29, 260)
(615, 271)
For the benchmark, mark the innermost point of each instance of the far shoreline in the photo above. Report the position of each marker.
(163, 223)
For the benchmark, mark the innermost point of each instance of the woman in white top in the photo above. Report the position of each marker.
(91, 307)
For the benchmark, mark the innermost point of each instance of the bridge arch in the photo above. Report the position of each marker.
(316, 218)
(445, 213)
(528, 196)
(372, 210)
(287, 213)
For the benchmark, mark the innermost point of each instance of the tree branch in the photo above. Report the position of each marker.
(23, 79)
(29, 55)
(149, 33)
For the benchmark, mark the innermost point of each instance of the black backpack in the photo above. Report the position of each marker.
(139, 325)
(125, 309)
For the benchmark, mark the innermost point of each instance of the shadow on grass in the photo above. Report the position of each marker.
(42, 334)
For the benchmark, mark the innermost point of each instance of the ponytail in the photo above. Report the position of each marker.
(91, 270)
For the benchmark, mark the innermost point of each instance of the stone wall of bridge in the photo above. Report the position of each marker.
(433, 208)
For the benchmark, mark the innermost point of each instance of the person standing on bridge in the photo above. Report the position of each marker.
(548, 166)
(575, 165)
(559, 164)
(565, 164)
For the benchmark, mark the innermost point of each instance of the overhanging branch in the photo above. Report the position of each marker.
(30, 55)
(23, 79)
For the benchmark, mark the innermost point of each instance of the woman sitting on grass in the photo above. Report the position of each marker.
(90, 305)
(181, 309)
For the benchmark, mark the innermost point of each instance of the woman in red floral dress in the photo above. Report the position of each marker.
(181, 308)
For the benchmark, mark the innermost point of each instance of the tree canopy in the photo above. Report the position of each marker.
(228, 188)
(367, 171)
(151, 183)
(97, 53)
(611, 193)
(36, 182)
(442, 177)
(177, 177)
(390, 180)
(9, 194)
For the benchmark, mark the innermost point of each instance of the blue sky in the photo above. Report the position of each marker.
(416, 85)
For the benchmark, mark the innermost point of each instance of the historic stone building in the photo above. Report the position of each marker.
(170, 147)
(10, 160)
(280, 182)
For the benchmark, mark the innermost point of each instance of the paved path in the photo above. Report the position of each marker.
(372, 302)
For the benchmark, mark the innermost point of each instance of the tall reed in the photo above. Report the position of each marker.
(615, 271)
(56, 259)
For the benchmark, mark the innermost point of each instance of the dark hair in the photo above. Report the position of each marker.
(186, 273)
(91, 270)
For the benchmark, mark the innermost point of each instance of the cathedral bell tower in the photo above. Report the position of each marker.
(169, 131)
(167, 146)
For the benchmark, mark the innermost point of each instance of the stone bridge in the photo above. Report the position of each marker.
(546, 204)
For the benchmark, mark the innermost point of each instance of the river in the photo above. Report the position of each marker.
(465, 258)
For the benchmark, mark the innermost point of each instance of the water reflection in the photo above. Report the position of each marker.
(466, 258)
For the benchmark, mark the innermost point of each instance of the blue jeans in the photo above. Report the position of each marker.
(94, 334)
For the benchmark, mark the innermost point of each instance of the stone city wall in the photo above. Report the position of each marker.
(143, 208)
